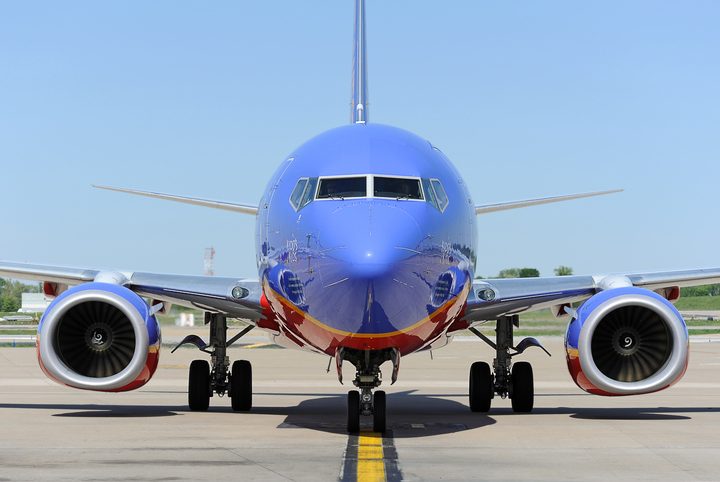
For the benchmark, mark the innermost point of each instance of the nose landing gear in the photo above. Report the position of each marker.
(367, 378)
(366, 404)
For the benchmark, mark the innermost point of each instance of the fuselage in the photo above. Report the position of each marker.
(366, 238)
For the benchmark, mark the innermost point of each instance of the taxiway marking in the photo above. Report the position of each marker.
(370, 457)
(256, 345)
(370, 463)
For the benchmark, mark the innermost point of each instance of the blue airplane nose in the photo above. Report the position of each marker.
(370, 242)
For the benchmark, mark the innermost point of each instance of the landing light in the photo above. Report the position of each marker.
(239, 292)
(487, 294)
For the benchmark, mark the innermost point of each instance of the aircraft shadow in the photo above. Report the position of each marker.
(634, 413)
(620, 413)
(422, 415)
(409, 415)
(93, 410)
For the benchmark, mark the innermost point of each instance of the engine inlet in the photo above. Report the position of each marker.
(95, 339)
(631, 344)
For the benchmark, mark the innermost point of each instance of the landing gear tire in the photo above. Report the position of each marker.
(523, 389)
(241, 386)
(353, 411)
(481, 387)
(199, 386)
(379, 412)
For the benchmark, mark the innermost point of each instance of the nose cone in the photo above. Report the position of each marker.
(373, 263)
(370, 242)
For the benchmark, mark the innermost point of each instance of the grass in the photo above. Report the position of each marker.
(558, 332)
(34, 321)
(709, 303)
(18, 332)
(692, 323)
(542, 315)
(519, 334)
(704, 332)
(694, 303)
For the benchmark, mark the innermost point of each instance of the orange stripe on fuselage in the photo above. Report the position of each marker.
(327, 338)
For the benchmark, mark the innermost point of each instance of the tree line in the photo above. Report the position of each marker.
(531, 272)
(708, 290)
(11, 294)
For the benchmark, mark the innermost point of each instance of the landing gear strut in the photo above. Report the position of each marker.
(207, 379)
(514, 380)
(367, 378)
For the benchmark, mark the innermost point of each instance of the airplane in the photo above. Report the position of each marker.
(366, 248)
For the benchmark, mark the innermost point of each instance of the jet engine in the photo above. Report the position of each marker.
(626, 341)
(99, 336)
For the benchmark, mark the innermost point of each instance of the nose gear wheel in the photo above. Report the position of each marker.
(367, 378)
(353, 411)
(379, 405)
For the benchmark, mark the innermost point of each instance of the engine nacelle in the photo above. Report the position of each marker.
(626, 341)
(99, 336)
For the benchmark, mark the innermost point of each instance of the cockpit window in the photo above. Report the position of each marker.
(442, 199)
(297, 193)
(303, 192)
(429, 193)
(309, 193)
(397, 187)
(342, 187)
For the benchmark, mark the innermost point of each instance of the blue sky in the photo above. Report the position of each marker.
(206, 98)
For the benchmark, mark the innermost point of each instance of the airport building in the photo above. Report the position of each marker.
(34, 303)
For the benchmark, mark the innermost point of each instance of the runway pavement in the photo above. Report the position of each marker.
(296, 429)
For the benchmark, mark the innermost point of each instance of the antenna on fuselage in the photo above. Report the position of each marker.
(359, 105)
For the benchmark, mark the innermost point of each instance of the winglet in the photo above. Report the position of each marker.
(490, 208)
(359, 105)
(238, 208)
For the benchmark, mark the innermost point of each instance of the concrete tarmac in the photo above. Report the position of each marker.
(296, 430)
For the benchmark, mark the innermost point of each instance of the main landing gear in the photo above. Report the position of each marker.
(216, 377)
(367, 377)
(514, 380)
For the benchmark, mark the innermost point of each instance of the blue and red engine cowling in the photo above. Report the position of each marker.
(626, 341)
(99, 336)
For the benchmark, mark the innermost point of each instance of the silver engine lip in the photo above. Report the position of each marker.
(671, 370)
(62, 373)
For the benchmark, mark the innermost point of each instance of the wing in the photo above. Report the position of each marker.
(491, 208)
(238, 298)
(491, 298)
(238, 208)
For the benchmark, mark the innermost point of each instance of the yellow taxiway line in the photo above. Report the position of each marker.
(370, 461)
